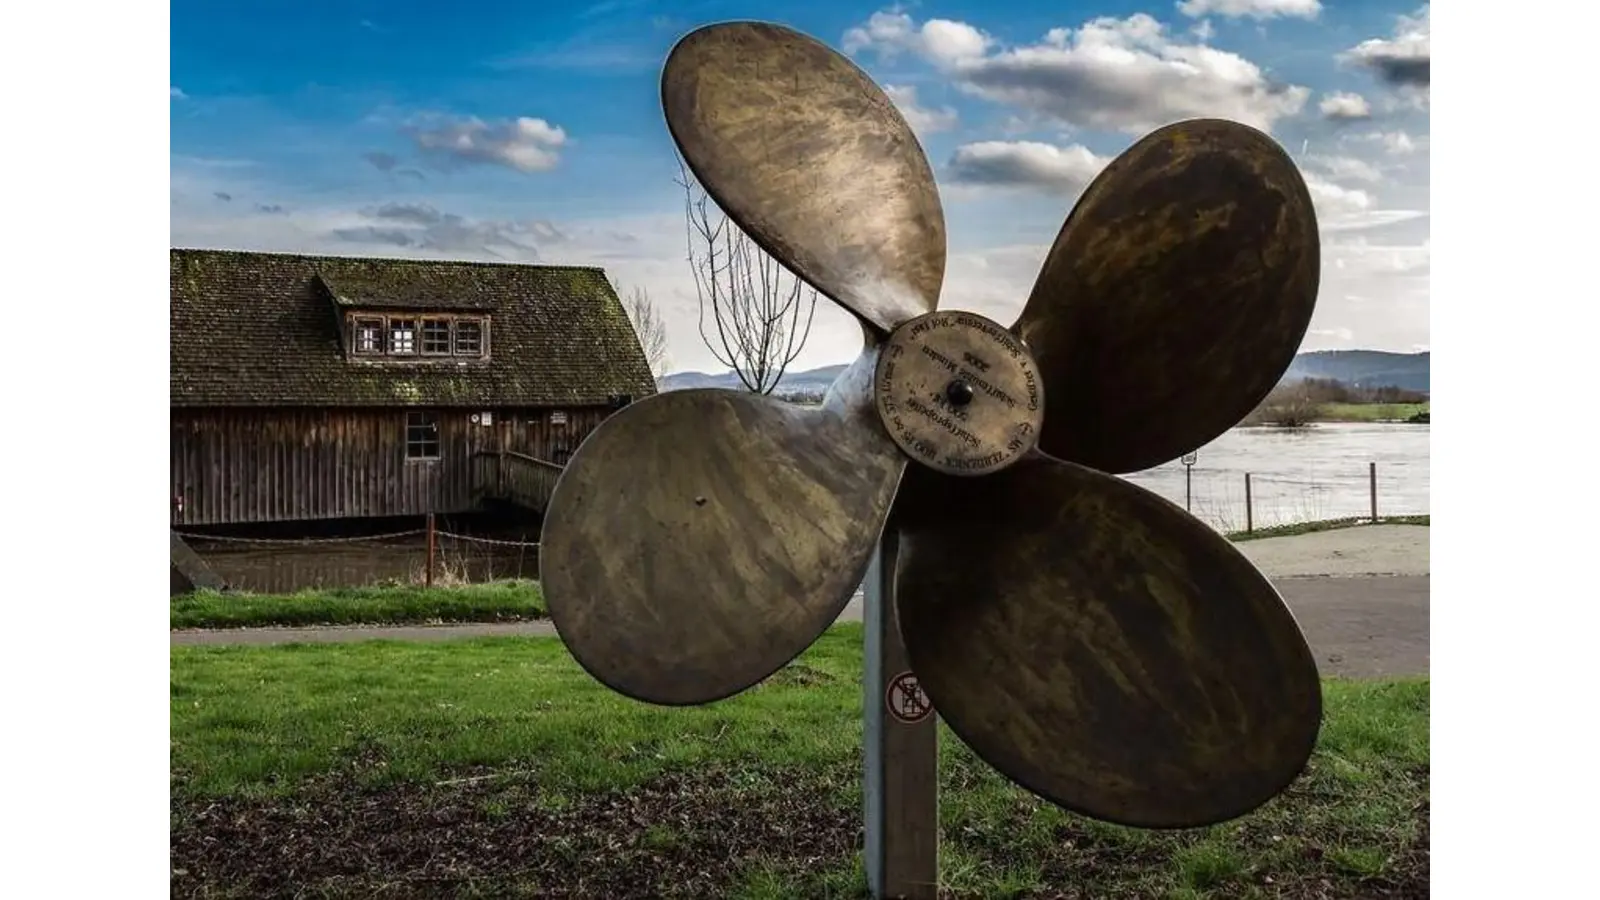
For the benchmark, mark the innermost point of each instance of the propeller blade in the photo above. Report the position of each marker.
(701, 539)
(809, 157)
(1175, 296)
(1100, 647)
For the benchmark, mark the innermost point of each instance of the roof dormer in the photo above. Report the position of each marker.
(398, 323)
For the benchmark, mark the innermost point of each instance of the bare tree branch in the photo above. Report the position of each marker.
(760, 313)
(650, 327)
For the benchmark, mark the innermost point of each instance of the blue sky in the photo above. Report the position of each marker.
(533, 132)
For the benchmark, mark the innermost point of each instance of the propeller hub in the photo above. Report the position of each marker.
(959, 393)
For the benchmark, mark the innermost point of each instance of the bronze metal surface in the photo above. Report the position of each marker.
(1095, 643)
(1101, 647)
(959, 393)
(809, 157)
(701, 539)
(1175, 295)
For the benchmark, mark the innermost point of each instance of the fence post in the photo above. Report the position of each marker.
(1249, 511)
(1372, 489)
(427, 576)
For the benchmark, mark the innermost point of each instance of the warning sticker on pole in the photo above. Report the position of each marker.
(906, 700)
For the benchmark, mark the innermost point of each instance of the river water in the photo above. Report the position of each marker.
(1295, 476)
(1299, 475)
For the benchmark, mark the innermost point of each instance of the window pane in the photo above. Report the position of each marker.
(369, 335)
(422, 435)
(469, 338)
(402, 336)
(436, 336)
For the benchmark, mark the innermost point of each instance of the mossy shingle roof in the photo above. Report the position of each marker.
(262, 329)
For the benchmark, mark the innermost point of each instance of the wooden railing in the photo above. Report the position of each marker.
(515, 477)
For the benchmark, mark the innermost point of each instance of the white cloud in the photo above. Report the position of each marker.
(1346, 209)
(1116, 74)
(1342, 106)
(1372, 296)
(1333, 200)
(420, 226)
(178, 94)
(1259, 10)
(1203, 30)
(941, 40)
(1347, 168)
(1065, 170)
(643, 250)
(1398, 143)
(1405, 98)
(1395, 143)
(525, 144)
(1378, 290)
(1403, 60)
(1126, 75)
(921, 119)
(993, 282)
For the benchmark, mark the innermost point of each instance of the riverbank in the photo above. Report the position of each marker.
(1321, 525)
(498, 768)
(1371, 412)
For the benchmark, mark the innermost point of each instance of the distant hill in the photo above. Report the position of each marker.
(1364, 368)
(809, 381)
(1367, 368)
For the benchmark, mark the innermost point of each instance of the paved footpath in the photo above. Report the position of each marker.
(1360, 595)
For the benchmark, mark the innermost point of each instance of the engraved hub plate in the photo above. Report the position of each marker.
(959, 393)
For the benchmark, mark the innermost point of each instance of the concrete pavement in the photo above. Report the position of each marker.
(1359, 627)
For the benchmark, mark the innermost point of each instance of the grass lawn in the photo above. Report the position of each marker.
(506, 601)
(1324, 525)
(1369, 412)
(497, 768)
(501, 601)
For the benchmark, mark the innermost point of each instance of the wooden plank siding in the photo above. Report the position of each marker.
(518, 478)
(238, 465)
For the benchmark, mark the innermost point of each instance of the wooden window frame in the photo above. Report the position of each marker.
(387, 345)
(483, 337)
(423, 419)
(394, 324)
(449, 335)
(357, 323)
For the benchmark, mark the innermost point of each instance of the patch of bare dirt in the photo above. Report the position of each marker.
(679, 836)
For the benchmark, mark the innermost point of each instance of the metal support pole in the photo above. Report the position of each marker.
(1372, 489)
(900, 786)
(1188, 488)
(1249, 510)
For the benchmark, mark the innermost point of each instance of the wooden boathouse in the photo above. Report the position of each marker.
(315, 387)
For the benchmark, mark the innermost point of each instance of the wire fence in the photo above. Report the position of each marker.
(1228, 500)
(392, 559)
(1232, 500)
